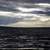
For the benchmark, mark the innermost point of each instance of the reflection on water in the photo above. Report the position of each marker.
(12, 11)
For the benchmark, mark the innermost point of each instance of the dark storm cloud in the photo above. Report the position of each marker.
(31, 1)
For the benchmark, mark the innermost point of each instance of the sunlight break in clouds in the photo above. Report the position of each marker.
(22, 9)
(18, 15)
(42, 4)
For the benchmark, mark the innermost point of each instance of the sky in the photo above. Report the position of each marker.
(12, 9)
